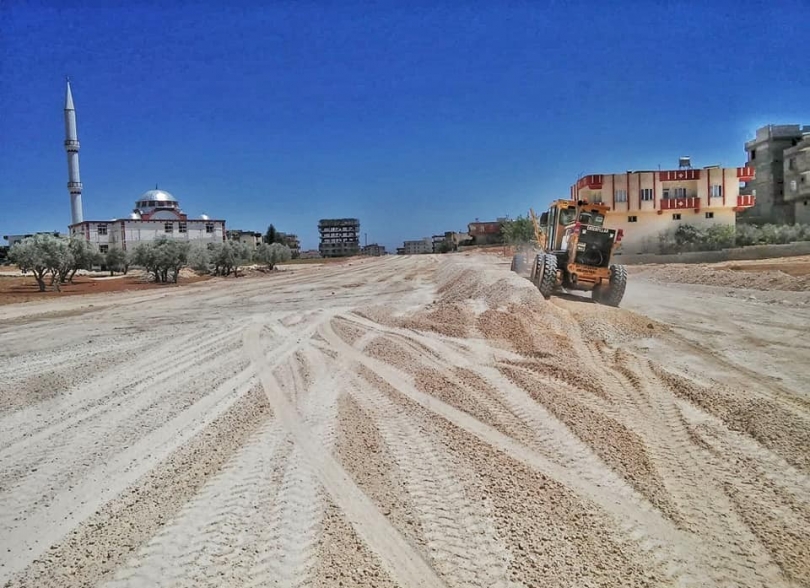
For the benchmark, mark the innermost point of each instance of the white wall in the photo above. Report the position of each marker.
(650, 224)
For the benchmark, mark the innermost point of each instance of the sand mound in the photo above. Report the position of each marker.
(733, 276)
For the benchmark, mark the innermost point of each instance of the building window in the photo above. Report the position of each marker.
(597, 197)
(621, 196)
(168, 227)
(709, 215)
(680, 192)
(103, 248)
(676, 216)
(717, 191)
(665, 194)
(102, 229)
(753, 154)
(182, 227)
(209, 227)
(646, 194)
(794, 185)
(632, 219)
(792, 163)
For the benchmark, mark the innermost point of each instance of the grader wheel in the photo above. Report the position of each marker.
(545, 274)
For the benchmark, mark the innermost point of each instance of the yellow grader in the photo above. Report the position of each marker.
(573, 250)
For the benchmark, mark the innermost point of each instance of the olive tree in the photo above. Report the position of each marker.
(116, 259)
(199, 257)
(163, 258)
(41, 255)
(272, 254)
(229, 256)
(518, 231)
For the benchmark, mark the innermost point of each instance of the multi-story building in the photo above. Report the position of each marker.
(797, 179)
(647, 203)
(291, 240)
(373, 250)
(418, 246)
(486, 233)
(766, 154)
(252, 238)
(340, 237)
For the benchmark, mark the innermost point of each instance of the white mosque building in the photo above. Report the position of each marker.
(156, 213)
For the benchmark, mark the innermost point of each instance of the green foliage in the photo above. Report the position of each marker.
(228, 256)
(199, 257)
(273, 236)
(116, 259)
(445, 247)
(163, 258)
(41, 255)
(83, 256)
(272, 254)
(716, 237)
(518, 231)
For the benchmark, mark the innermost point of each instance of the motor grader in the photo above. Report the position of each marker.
(573, 250)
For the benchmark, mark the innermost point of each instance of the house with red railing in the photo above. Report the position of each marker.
(646, 203)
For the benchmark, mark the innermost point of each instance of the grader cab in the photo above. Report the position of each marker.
(573, 250)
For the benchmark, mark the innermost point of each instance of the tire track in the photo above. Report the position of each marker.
(396, 554)
(461, 538)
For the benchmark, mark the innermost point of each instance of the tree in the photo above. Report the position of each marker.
(162, 256)
(271, 236)
(271, 255)
(227, 257)
(83, 256)
(199, 257)
(518, 231)
(41, 254)
(116, 259)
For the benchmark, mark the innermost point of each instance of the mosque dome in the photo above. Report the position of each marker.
(156, 199)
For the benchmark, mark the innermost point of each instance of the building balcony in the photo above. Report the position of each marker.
(746, 201)
(71, 145)
(680, 203)
(74, 186)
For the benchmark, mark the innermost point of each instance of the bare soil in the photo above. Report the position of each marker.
(406, 421)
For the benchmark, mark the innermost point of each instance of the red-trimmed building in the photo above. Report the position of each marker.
(157, 213)
(647, 203)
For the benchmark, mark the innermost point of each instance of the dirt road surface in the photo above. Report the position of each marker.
(415, 421)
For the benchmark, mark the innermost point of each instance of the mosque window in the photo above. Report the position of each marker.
(209, 227)
(182, 227)
(168, 227)
(102, 229)
(103, 248)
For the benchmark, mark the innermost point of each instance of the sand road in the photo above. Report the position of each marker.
(416, 421)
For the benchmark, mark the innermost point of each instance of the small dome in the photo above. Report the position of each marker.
(134, 216)
(204, 216)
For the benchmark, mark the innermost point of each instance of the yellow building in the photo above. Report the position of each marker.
(647, 203)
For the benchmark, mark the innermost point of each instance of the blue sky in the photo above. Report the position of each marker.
(415, 117)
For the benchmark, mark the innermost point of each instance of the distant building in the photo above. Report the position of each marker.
(12, 239)
(310, 254)
(647, 203)
(766, 155)
(373, 250)
(400, 251)
(291, 240)
(797, 179)
(252, 238)
(157, 213)
(485, 233)
(340, 237)
(417, 247)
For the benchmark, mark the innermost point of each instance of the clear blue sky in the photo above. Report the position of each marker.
(415, 117)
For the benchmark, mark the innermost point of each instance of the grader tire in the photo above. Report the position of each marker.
(614, 292)
(545, 274)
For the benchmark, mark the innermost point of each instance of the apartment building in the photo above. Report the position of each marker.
(647, 203)
(797, 179)
(340, 237)
(292, 241)
(766, 155)
(486, 233)
(418, 246)
(252, 238)
(373, 249)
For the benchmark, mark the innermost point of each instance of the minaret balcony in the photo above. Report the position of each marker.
(74, 186)
(71, 145)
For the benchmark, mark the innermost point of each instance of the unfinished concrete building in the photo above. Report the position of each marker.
(373, 249)
(766, 155)
(340, 237)
(797, 178)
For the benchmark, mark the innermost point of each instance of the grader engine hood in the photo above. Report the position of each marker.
(591, 245)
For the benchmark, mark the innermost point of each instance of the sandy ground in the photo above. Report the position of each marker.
(415, 421)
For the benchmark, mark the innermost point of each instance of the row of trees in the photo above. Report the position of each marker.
(691, 238)
(55, 259)
(50, 258)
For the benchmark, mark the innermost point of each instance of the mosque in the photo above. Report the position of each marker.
(156, 212)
